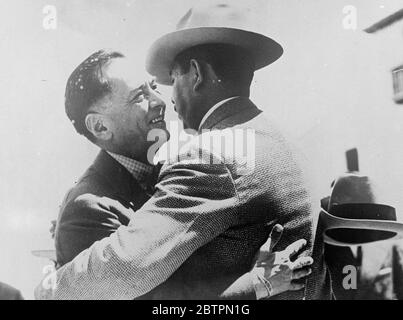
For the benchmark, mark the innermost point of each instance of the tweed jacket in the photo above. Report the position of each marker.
(103, 200)
(206, 218)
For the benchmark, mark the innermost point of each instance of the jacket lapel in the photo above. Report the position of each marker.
(233, 112)
(125, 185)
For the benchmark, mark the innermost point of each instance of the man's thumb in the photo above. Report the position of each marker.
(275, 235)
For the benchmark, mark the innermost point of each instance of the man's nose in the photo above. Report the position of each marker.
(154, 99)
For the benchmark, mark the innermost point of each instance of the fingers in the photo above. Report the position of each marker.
(265, 254)
(302, 262)
(301, 273)
(275, 236)
(296, 286)
(295, 247)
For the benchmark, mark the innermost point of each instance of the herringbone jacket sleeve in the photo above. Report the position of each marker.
(194, 202)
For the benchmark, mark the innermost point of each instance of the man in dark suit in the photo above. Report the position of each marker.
(120, 181)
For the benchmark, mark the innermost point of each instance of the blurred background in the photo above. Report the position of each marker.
(332, 90)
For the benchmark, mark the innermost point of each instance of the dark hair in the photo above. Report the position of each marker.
(231, 63)
(85, 86)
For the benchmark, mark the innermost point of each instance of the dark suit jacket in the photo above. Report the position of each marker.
(206, 220)
(102, 200)
(9, 293)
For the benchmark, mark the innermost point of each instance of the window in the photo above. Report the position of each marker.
(397, 74)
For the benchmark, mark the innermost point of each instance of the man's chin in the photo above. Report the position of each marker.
(189, 129)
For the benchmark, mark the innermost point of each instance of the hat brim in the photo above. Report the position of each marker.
(163, 51)
(381, 229)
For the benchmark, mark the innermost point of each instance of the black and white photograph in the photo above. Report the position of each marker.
(201, 150)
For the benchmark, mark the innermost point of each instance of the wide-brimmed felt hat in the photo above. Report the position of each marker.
(221, 23)
(356, 213)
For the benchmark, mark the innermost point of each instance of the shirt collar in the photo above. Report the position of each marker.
(215, 107)
(140, 171)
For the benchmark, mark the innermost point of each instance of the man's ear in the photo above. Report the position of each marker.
(197, 73)
(98, 125)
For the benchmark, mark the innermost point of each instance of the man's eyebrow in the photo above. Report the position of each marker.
(134, 92)
(139, 88)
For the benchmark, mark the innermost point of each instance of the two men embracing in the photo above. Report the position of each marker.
(196, 226)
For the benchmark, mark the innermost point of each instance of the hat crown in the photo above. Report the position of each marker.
(221, 15)
(220, 23)
(354, 188)
(352, 191)
(355, 215)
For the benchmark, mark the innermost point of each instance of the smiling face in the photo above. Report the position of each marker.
(132, 109)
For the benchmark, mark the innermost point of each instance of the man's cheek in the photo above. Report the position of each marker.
(144, 106)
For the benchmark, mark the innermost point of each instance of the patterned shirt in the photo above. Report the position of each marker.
(143, 173)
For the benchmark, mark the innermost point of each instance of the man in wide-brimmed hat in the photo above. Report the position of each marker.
(208, 216)
(210, 62)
